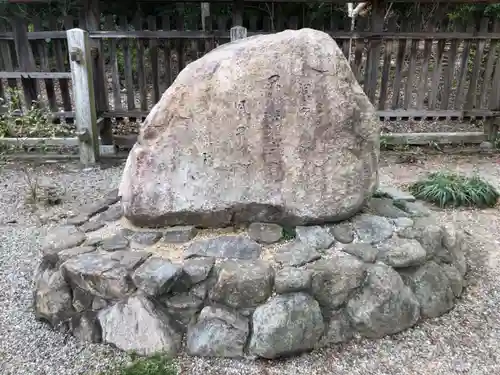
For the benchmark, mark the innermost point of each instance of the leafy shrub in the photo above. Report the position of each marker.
(36, 121)
(155, 365)
(452, 189)
(289, 233)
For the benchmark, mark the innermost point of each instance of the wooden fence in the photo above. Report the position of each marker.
(410, 70)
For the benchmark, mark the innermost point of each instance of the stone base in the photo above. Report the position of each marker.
(249, 291)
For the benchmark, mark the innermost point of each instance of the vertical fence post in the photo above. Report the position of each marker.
(83, 92)
(238, 32)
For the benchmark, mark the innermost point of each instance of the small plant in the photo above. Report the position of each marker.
(36, 121)
(453, 189)
(33, 186)
(289, 233)
(155, 365)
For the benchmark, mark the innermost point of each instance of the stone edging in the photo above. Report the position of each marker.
(248, 293)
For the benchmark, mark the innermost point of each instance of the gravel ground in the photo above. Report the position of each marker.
(463, 342)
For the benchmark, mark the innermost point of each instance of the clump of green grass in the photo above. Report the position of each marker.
(448, 189)
(289, 233)
(154, 365)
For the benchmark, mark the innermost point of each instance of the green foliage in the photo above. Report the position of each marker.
(155, 365)
(289, 233)
(36, 121)
(453, 189)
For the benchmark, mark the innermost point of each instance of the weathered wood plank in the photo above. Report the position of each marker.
(83, 87)
(340, 34)
(167, 52)
(398, 74)
(128, 67)
(462, 76)
(7, 58)
(430, 138)
(61, 67)
(449, 74)
(386, 68)
(141, 69)
(25, 59)
(35, 75)
(437, 73)
(113, 62)
(238, 32)
(377, 24)
(423, 81)
(153, 55)
(408, 98)
(92, 17)
(359, 47)
(470, 99)
(43, 54)
(485, 92)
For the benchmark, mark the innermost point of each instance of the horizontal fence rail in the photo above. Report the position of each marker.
(413, 68)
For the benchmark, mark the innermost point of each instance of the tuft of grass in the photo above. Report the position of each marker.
(155, 365)
(448, 189)
(289, 233)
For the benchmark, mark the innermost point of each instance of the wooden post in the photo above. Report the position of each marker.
(238, 32)
(83, 91)
(238, 7)
(205, 13)
(92, 18)
(25, 59)
(377, 25)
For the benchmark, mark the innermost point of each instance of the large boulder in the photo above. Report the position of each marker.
(271, 128)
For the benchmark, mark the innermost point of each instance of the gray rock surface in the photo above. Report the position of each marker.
(86, 327)
(414, 209)
(337, 330)
(285, 325)
(52, 297)
(146, 238)
(217, 333)
(395, 194)
(265, 232)
(113, 213)
(288, 162)
(385, 207)
(156, 276)
(102, 275)
(343, 232)
(60, 238)
(372, 229)
(238, 247)
(456, 280)
(64, 255)
(91, 226)
(335, 278)
(198, 269)
(289, 280)
(453, 250)
(401, 252)
(137, 325)
(296, 254)
(114, 243)
(385, 306)
(402, 223)
(315, 236)
(432, 289)
(180, 234)
(428, 232)
(243, 284)
(366, 252)
(183, 308)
